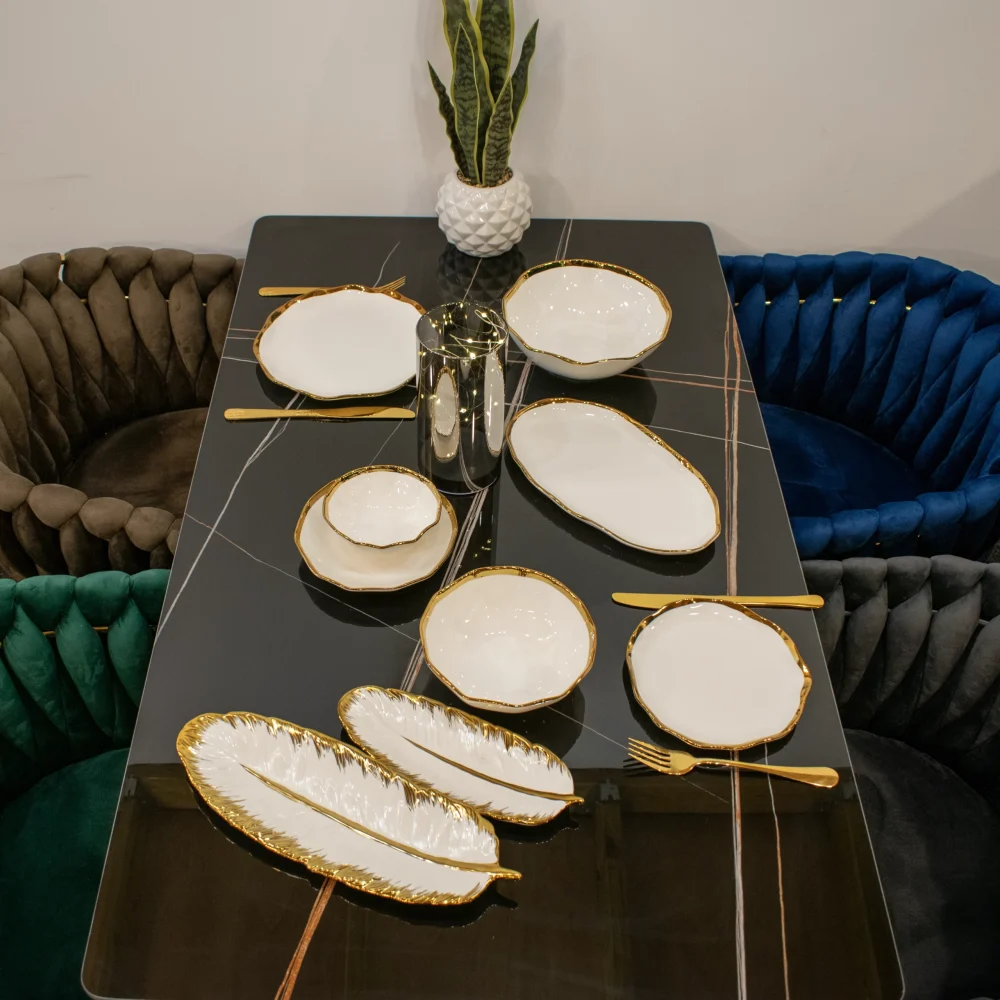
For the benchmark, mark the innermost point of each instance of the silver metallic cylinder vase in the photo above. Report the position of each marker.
(461, 359)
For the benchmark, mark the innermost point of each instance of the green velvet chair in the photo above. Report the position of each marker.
(73, 658)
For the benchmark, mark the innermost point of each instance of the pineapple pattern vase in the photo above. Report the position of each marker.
(484, 221)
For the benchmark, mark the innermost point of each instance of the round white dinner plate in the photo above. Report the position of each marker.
(382, 506)
(333, 558)
(586, 320)
(601, 466)
(717, 675)
(508, 639)
(338, 342)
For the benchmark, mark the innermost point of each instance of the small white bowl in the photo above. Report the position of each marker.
(333, 558)
(382, 506)
(585, 320)
(508, 639)
(717, 675)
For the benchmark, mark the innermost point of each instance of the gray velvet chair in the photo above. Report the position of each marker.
(913, 647)
(107, 363)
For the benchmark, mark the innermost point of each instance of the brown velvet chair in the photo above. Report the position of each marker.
(107, 363)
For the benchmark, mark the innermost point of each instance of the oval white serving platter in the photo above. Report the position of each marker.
(382, 506)
(333, 558)
(716, 674)
(493, 770)
(584, 319)
(508, 639)
(337, 811)
(333, 343)
(601, 466)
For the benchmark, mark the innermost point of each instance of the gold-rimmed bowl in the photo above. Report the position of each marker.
(717, 675)
(382, 506)
(508, 639)
(336, 559)
(585, 319)
(336, 343)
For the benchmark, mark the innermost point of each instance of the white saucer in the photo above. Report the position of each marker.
(338, 342)
(382, 506)
(508, 639)
(717, 675)
(333, 558)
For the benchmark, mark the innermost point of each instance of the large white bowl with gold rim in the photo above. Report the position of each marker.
(382, 506)
(508, 639)
(603, 467)
(584, 319)
(716, 674)
(338, 560)
(332, 343)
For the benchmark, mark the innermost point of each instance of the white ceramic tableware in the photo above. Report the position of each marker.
(337, 811)
(493, 770)
(382, 506)
(604, 468)
(717, 675)
(338, 342)
(586, 320)
(337, 560)
(508, 639)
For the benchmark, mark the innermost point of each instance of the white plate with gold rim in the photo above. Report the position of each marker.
(337, 560)
(601, 466)
(717, 675)
(508, 639)
(333, 343)
(584, 319)
(382, 506)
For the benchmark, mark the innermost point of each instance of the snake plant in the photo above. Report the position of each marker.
(482, 109)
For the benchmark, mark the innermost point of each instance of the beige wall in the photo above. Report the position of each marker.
(787, 125)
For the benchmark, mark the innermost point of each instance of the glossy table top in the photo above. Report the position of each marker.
(656, 887)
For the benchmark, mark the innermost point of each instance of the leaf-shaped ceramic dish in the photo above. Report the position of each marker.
(337, 811)
(487, 767)
(340, 561)
(508, 639)
(601, 466)
(332, 343)
(717, 675)
(584, 319)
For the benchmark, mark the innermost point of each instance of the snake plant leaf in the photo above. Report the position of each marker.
(496, 25)
(458, 16)
(520, 74)
(465, 95)
(448, 114)
(496, 151)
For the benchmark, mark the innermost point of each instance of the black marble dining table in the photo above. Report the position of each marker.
(712, 885)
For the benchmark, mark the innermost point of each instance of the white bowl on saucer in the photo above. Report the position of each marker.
(717, 675)
(334, 558)
(585, 320)
(508, 639)
(382, 506)
(332, 343)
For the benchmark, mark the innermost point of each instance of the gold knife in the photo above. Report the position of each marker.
(330, 413)
(273, 291)
(809, 602)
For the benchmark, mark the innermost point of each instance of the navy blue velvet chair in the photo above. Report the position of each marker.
(879, 379)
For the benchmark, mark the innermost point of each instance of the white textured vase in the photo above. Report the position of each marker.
(484, 221)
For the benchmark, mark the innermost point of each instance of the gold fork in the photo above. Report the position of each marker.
(270, 291)
(679, 762)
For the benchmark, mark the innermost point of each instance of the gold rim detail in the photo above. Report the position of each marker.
(285, 306)
(645, 430)
(785, 637)
(600, 265)
(510, 571)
